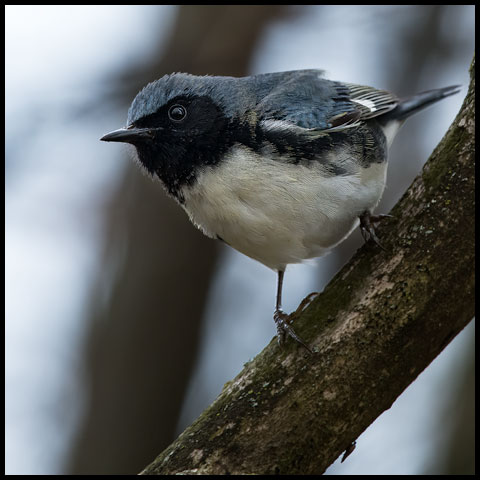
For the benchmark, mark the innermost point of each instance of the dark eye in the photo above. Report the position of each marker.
(177, 113)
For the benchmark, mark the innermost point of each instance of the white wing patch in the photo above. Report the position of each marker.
(366, 103)
(372, 102)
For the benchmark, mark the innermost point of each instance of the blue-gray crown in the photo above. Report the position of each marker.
(226, 91)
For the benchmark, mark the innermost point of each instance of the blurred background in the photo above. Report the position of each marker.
(122, 321)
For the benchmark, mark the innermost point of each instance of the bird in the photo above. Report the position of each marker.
(280, 166)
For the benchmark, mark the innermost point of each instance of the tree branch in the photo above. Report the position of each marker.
(378, 324)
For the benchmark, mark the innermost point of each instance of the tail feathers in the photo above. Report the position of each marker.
(410, 105)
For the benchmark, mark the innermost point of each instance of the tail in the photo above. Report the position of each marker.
(410, 105)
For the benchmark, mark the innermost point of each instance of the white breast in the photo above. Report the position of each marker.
(280, 213)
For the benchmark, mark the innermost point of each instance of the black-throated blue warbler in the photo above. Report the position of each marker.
(280, 166)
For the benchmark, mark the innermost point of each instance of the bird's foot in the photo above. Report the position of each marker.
(282, 321)
(303, 305)
(367, 227)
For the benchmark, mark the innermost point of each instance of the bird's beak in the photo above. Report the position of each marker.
(129, 135)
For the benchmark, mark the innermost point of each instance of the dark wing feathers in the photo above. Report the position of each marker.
(308, 101)
(371, 101)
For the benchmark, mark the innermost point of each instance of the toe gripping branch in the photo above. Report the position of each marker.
(282, 321)
(367, 227)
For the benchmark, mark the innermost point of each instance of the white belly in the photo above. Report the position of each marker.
(280, 213)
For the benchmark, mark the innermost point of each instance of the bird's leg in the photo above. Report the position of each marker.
(367, 221)
(282, 320)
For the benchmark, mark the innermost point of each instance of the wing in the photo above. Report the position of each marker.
(308, 103)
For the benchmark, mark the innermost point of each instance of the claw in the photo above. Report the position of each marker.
(282, 321)
(305, 302)
(367, 228)
(379, 217)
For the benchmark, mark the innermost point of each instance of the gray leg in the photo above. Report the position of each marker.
(282, 320)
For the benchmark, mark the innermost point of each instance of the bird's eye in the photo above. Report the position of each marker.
(177, 113)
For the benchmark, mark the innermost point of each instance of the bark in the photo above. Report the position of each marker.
(378, 324)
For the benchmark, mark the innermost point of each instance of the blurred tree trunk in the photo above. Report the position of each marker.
(147, 306)
(375, 328)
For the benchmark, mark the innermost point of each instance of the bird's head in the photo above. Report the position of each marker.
(180, 124)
